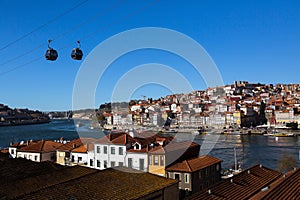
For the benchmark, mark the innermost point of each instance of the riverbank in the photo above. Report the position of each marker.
(24, 122)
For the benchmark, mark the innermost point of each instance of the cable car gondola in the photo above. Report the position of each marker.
(76, 53)
(51, 54)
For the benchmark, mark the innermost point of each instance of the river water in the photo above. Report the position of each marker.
(250, 150)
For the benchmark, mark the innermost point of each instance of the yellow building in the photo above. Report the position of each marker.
(162, 156)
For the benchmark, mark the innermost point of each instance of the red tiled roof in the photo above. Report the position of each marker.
(41, 146)
(123, 139)
(288, 188)
(75, 143)
(194, 164)
(121, 183)
(157, 150)
(174, 146)
(22, 144)
(241, 186)
(143, 150)
(81, 149)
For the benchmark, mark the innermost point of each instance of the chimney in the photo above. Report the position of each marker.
(131, 132)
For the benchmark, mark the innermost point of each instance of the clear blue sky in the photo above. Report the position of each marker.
(250, 40)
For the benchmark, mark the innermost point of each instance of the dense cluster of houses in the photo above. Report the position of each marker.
(144, 151)
(133, 166)
(241, 104)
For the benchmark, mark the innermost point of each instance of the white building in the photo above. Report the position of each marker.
(137, 157)
(79, 155)
(43, 150)
(110, 151)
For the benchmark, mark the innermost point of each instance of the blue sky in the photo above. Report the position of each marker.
(252, 40)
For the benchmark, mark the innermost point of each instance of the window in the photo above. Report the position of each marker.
(217, 167)
(35, 158)
(112, 164)
(98, 163)
(177, 177)
(162, 160)
(105, 150)
(105, 164)
(141, 164)
(12, 151)
(53, 156)
(186, 178)
(79, 159)
(155, 160)
(25, 156)
(98, 149)
(91, 162)
(121, 164)
(150, 160)
(120, 151)
(72, 159)
(113, 150)
(130, 162)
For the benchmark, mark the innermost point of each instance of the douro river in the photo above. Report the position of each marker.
(250, 150)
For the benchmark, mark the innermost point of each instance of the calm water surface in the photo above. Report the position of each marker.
(250, 150)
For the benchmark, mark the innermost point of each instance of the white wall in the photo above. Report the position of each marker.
(12, 152)
(135, 156)
(30, 156)
(83, 156)
(109, 157)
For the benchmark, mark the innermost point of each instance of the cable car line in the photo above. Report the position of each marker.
(20, 66)
(87, 36)
(66, 32)
(43, 25)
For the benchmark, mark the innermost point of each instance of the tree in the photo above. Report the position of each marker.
(286, 163)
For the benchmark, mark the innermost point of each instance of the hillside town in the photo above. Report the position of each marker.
(18, 116)
(241, 104)
(129, 163)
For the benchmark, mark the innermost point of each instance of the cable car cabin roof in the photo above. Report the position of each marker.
(76, 54)
(51, 54)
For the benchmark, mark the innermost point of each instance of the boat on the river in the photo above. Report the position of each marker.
(279, 134)
(236, 168)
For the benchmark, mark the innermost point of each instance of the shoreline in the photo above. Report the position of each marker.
(24, 123)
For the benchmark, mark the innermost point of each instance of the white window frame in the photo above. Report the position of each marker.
(187, 178)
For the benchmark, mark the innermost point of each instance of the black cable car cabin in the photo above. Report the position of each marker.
(76, 53)
(51, 54)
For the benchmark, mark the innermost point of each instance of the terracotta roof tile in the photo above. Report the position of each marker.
(41, 146)
(81, 149)
(241, 186)
(194, 164)
(75, 143)
(288, 188)
(121, 183)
